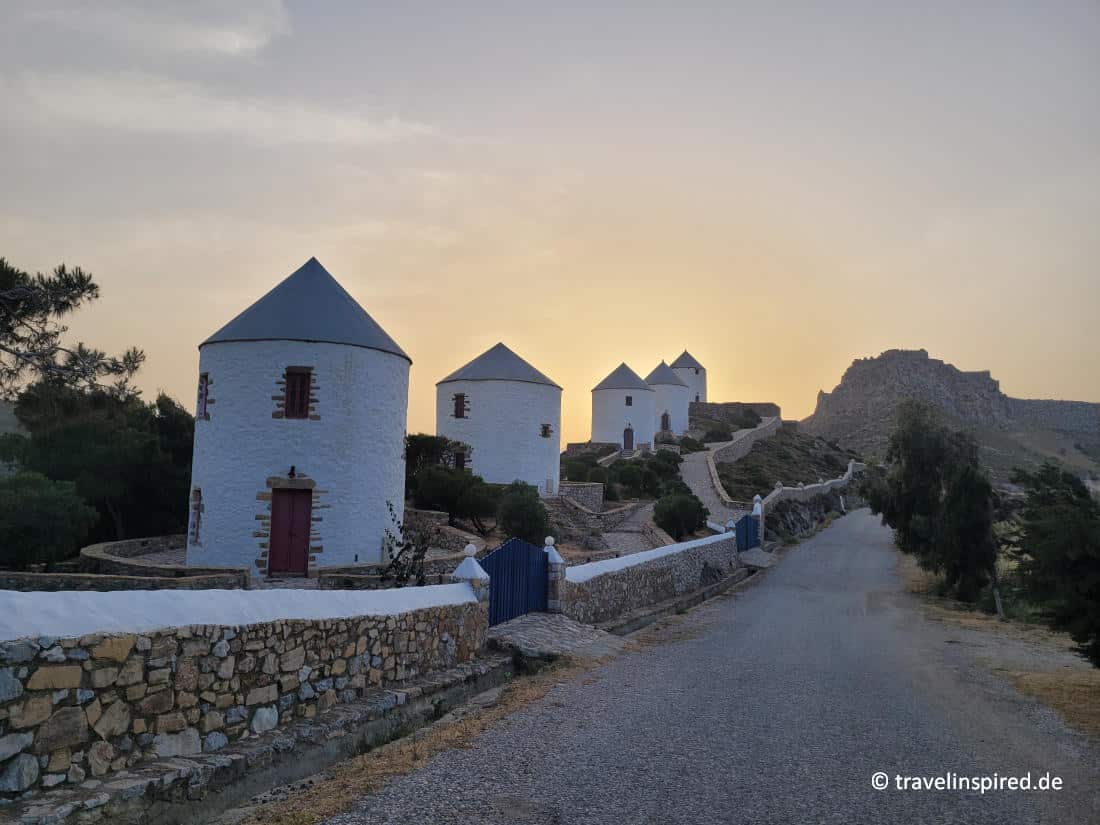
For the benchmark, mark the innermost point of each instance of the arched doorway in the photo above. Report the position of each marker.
(666, 422)
(628, 438)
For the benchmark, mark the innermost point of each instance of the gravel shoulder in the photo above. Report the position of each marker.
(773, 704)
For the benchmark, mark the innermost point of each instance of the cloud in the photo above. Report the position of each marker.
(239, 27)
(153, 104)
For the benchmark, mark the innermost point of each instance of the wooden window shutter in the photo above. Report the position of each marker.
(297, 392)
(204, 393)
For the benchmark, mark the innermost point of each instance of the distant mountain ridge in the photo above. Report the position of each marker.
(859, 412)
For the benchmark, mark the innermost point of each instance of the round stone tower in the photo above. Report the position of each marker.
(299, 433)
(508, 414)
(692, 373)
(623, 410)
(671, 400)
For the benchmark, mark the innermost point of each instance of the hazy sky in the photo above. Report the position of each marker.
(777, 187)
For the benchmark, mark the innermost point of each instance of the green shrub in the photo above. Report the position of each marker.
(690, 445)
(748, 419)
(629, 475)
(521, 513)
(458, 493)
(576, 470)
(41, 521)
(1061, 571)
(422, 451)
(439, 488)
(675, 486)
(678, 515)
(717, 433)
(598, 474)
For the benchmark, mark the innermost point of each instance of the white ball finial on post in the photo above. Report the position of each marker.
(470, 550)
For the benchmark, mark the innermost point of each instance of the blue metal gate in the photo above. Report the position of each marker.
(748, 533)
(517, 580)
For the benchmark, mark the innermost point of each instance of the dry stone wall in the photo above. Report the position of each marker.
(85, 707)
(741, 443)
(603, 590)
(588, 494)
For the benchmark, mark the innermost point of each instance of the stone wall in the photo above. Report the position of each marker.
(602, 590)
(732, 410)
(577, 448)
(30, 582)
(446, 537)
(588, 494)
(806, 492)
(129, 558)
(85, 707)
(739, 446)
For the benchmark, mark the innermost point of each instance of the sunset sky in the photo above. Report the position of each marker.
(777, 187)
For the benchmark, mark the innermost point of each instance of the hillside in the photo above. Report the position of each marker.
(859, 413)
(788, 456)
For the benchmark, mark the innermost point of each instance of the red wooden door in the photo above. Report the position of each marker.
(290, 520)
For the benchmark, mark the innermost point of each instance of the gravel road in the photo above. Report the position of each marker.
(774, 705)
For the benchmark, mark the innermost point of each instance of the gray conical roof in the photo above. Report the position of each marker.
(309, 305)
(686, 360)
(622, 378)
(663, 374)
(498, 363)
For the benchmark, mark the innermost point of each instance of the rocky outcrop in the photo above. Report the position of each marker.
(859, 411)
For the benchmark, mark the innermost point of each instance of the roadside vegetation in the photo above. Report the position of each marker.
(653, 476)
(97, 463)
(433, 483)
(1034, 557)
(788, 456)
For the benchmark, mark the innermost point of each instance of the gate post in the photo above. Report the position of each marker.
(474, 574)
(758, 516)
(555, 575)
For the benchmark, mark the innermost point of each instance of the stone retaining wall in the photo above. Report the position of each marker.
(31, 582)
(73, 709)
(741, 443)
(603, 590)
(126, 558)
(576, 448)
(808, 492)
(588, 494)
(577, 524)
(446, 537)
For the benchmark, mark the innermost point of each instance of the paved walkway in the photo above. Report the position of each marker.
(628, 537)
(775, 705)
(696, 475)
(550, 635)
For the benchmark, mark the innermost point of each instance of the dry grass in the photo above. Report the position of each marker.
(340, 787)
(1072, 691)
(1074, 694)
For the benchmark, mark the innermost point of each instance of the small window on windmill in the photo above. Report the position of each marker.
(630, 401)
(204, 394)
(545, 431)
(194, 531)
(462, 405)
(696, 370)
(297, 392)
